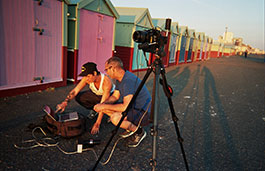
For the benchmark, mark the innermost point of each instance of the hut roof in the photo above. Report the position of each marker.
(184, 30)
(101, 6)
(137, 16)
(159, 22)
(201, 36)
(192, 33)
(175, 27)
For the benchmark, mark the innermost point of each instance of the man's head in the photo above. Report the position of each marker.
(113, 66)
(89, 68)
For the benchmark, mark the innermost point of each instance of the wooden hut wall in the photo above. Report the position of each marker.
(209, 48)
(189, 53)
(189, 56)
(174, 40)
(202, 46)
(215, 50)
(183, 43)
(194, 48)
(206, 48)
(198, 48)
(160, 22)
(31, 46)
(173, 48)
(124, 43)
(131, 20)
(95, 34)
(139, 61)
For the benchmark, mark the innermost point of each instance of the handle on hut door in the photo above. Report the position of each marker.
(40, 30)
(100, 39)
(36, 28)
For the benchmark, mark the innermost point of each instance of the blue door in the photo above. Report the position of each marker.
(182, 49)
(173, 44)
(190, 50)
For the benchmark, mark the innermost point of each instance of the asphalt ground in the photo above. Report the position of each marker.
(219, 104)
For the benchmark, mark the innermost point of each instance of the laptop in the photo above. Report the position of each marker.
(68, 117)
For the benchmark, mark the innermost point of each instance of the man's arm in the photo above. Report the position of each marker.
(115, 107)
(107, 85)
(61, 107)
(113, 98)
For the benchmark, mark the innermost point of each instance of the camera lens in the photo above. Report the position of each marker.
(139, 36)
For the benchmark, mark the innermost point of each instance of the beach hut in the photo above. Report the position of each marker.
(205, 48)
(210, 48)
(202, 48)
(197, 46)
(228, 49)
(184, 32)
(33, 45)
(90, 30)
(190, 43)
(215, 50)
(160, 23)
(131, 20)
(173, 47)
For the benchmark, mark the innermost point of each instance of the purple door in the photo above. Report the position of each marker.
(24, 53)
(95, 38)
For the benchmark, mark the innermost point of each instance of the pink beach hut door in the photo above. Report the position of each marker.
(25, 54)
(48, 46)
(95, 38)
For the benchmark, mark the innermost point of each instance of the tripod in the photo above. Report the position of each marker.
(158, 68)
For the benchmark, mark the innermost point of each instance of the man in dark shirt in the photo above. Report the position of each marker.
(126, 85)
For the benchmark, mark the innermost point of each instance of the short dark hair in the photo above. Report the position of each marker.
(115, 60)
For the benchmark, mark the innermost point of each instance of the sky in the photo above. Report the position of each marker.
(245, 18)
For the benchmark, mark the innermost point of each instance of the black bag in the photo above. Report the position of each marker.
(67, 129)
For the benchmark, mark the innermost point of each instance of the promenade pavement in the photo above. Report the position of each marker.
(219, 103)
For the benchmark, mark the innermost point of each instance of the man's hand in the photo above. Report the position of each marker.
(95, 128)
(61, 107)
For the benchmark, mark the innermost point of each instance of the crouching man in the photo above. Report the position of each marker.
(126, 85)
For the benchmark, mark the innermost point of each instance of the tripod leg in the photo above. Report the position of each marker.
(154, 113)
(174, 117)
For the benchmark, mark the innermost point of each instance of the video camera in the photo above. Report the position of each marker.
(152, 40)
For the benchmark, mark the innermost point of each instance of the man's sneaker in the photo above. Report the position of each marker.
(126, 134)
(92, 114)
(136, 139)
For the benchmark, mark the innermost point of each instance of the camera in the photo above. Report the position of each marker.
(152, 41)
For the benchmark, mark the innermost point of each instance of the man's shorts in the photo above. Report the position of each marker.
(135, 115)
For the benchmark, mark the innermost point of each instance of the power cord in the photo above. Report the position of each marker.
(113, 148)
(43, 142)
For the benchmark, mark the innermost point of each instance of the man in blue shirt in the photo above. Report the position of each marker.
(126, 86)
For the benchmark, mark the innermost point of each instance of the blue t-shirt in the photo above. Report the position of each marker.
(129, 85)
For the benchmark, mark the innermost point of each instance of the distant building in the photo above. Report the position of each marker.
(228, 37)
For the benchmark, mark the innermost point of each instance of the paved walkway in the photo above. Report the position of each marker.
(219, 103)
